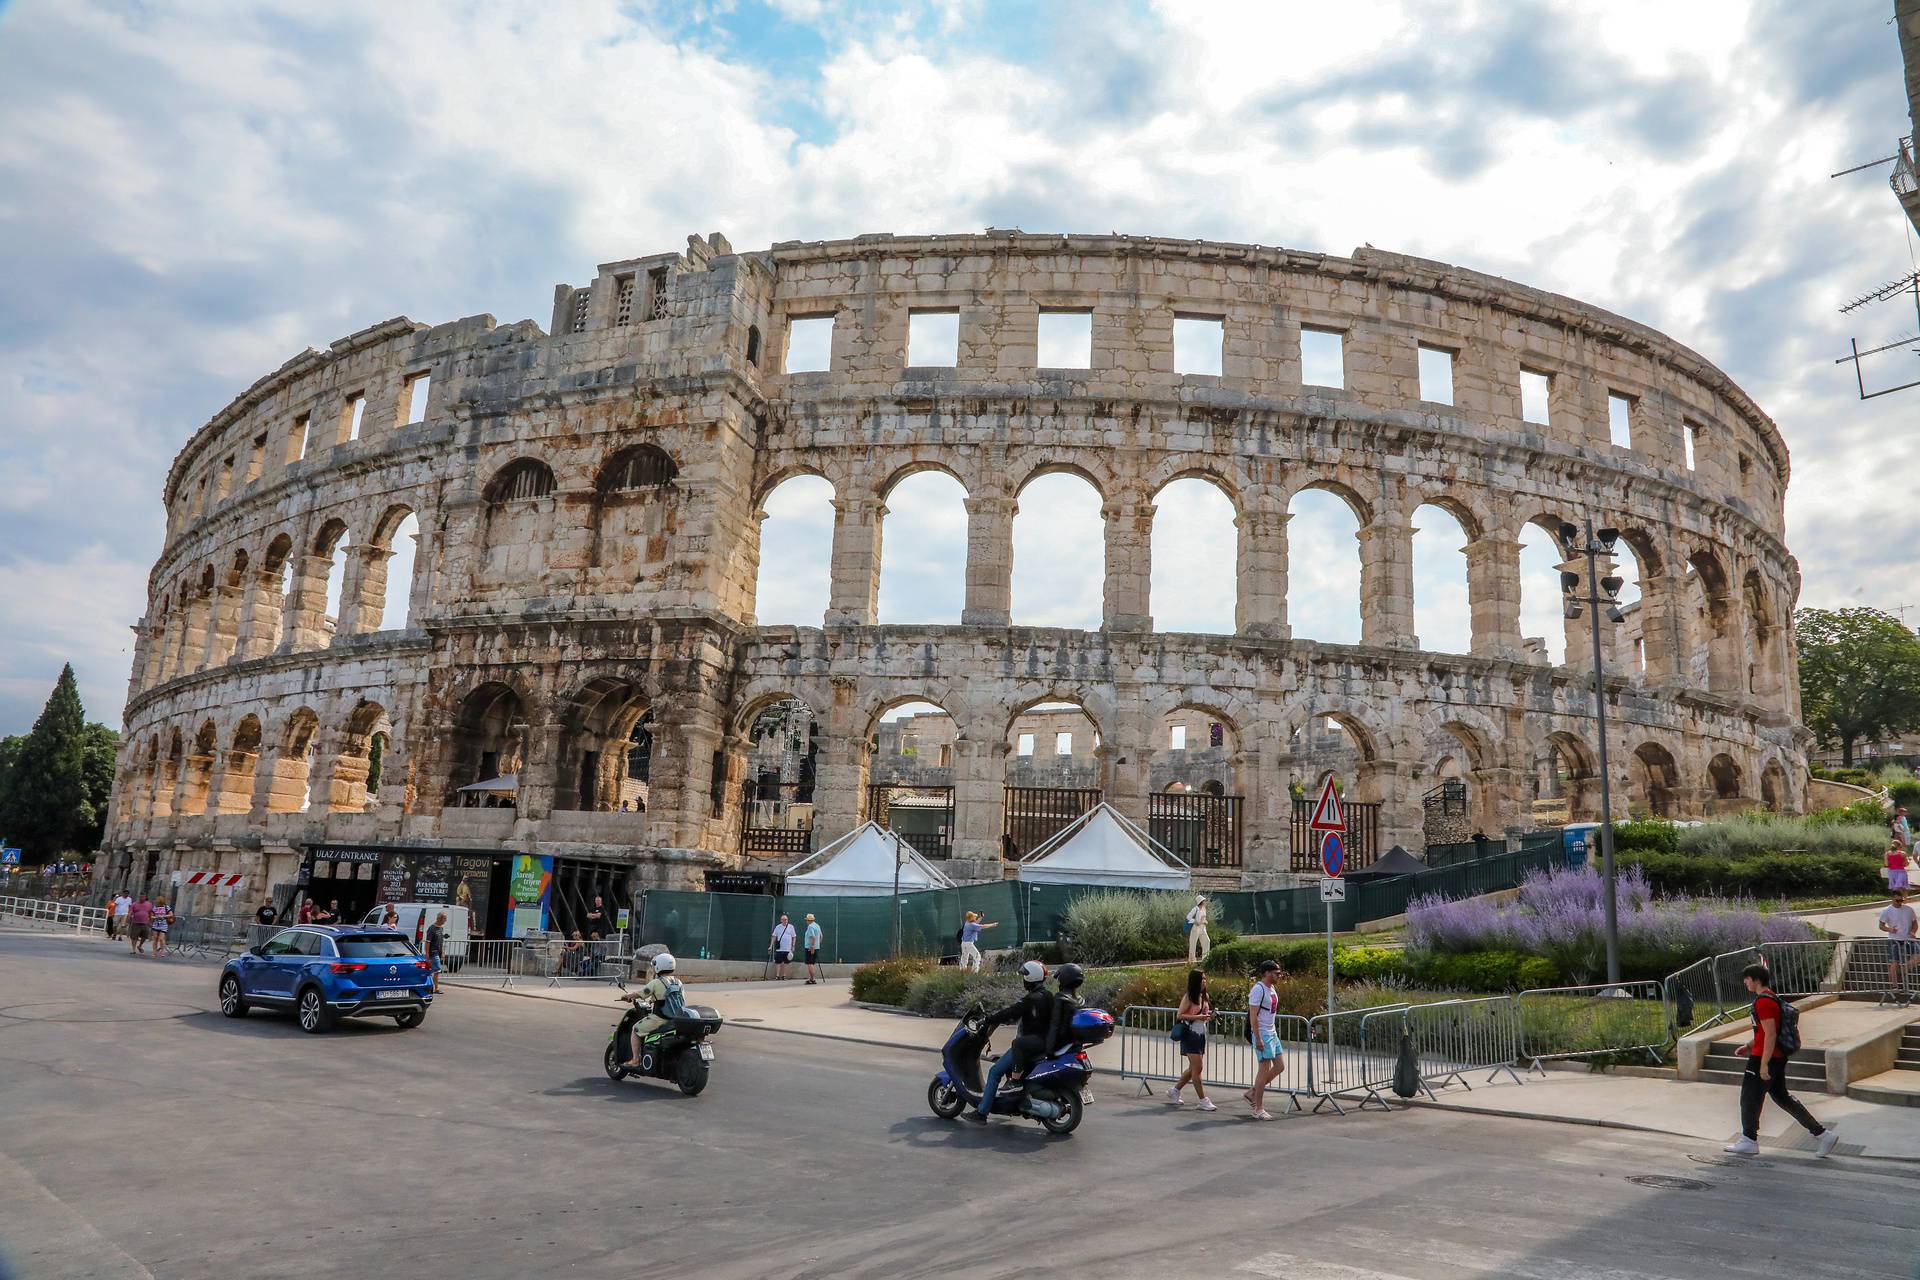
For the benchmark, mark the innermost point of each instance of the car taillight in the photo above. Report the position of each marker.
(347, 968)
(423, 964)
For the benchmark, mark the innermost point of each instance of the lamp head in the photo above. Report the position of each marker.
(1573, 608)
(1569, 534)
(1607, 538)
(1612, 585)
(1569, 581)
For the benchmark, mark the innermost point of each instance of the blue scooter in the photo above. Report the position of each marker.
(1052, 1092)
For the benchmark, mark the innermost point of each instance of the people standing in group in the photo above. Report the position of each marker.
(329, 914)
(1263, 1002)
(391, 920)
(305, 915)
(1198, 943)
(1902, 927)
(161, 922)
(810, 940)
(970, 930)
(1775, 1038)
(139, 918)
(436, 947)
(266, 915)
(1190, 1028)
(1900, 828)
(782, 945)
(117, 914)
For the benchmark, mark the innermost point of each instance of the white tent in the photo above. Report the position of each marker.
(860, 864)
(1102, 847)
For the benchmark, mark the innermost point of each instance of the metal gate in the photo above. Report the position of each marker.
(920, 816)
(1202, 830)
(1363, 835)
(1035, 813)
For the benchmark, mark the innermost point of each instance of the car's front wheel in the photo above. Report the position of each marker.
(231, 1002)
(315, 1017)
(411, 1019)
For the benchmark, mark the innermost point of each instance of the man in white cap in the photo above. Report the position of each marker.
(1198, 943)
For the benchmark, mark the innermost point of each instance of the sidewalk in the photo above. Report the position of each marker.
(1709, 1113)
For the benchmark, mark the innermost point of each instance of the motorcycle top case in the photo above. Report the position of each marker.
(699, 1020)
(1092, 1026)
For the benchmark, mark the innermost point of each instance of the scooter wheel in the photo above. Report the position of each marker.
(612, 1062)
(944, 1099)
(691, 1075)
(1072, 1109)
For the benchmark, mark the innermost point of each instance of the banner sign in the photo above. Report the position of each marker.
(527, 888)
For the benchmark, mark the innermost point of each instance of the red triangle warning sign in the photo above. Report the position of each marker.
(1327, 814)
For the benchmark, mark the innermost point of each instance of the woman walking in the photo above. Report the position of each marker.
(1191, 1030)
(162, 926)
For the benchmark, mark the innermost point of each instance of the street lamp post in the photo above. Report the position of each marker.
(1594, 601)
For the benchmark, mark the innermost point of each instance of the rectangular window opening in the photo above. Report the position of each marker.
(809, 344)
(933, 339)
(1436, 375)
(1178, 738)
(1535, 391)
(351, 414)
(226, 478)
(1689, 440)
(302, 426)
(1322, 358)
(1620, 420)
(657, 293)
(1063, 744)
(258, 461)
(1064, 340)
(1026, 745)
(623, 301)
(416, 397)
(1198, 342)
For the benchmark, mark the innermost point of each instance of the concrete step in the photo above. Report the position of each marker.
(1722, 1071)
(1890, 1088)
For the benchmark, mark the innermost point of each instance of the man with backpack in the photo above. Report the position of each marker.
(666, 996)
(1776, 1036)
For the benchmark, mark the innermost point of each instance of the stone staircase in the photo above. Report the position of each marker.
(1725, 1064)
(1900, 1086)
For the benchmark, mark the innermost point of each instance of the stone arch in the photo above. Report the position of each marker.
(202, 758)
(1763, 628)
(1211, 468)
(1567, 770)
(520, 508)
(1031, 465)
(921, 528)
(352, 758)
(1467, 510)
(797, 523)
(1542, 603)
(1440, 576)
(1656, 779)
(606, 747)
(390, 569)
(330, 546)
(167, 772)
(916, 756)
(1717, 627)
(291, 790)
(1326, 596)
(1195, 555)
(1776, 792)
(235, 793)
(917, 464)
(490, 740)
(635, 512)
(1723, 772)
(1363, 511)
(1060, 548)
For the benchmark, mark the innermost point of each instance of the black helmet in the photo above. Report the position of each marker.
(1070, 976)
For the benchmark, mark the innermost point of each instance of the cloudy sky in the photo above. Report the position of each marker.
(192, 192)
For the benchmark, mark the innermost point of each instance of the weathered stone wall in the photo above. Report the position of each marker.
(588, 504)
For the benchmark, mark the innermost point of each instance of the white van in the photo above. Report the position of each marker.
(416, 916)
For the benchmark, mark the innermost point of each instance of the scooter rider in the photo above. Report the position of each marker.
(663, 990)
(1034, 1012)
(1069, 978)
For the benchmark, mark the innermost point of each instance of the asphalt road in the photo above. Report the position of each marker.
(142, 1134)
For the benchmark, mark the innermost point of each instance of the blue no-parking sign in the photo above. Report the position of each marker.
(1333, 854)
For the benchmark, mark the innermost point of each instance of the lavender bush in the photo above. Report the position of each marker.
(1559, 915)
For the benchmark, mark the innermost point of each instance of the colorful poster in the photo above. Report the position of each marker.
(472, 877)
(527, 889)
(396, 878)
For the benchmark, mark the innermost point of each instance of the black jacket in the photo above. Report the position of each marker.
(1033, 1011)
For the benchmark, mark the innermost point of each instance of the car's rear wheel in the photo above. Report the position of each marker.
(691, 1075)
(315, 1017)
(231, 1002)
(411, 1019)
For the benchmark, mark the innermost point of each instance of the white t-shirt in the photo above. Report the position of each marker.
(783, 937)
(1902, 923)
(120, 904)
(1198, 916)
(1262, 1000)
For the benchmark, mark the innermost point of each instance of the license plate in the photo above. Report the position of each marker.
(391, 995)
(706, 1053)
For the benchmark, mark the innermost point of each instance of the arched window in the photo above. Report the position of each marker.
(640, 469)
(332, 543)
(753, 345)
(923, 550)
(796, 553)
(1323, 568)
(1441, 616)
(1542, 606)
(1059, 553)
(1195, 560)
(524, 480)
(403, 542)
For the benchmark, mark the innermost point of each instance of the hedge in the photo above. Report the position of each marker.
(1647, 833)
(1765, 875)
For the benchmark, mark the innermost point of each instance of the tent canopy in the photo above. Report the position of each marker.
(861, 864)
(1394, 862)
(1102, 847)
(505, 784)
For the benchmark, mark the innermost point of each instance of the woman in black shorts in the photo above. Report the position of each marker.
(1191, 1030)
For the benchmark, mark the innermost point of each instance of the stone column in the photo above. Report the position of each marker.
(1260, 607)
(363, 596)
(1126, 754)
(193, 656)
(1660, 598)
(539, 770)
(236, 782)
(395, 793)
(855, 596)
(840, 783)
(1129, 565)
(979, 797)
(179, 623)
(1386, 582)
(989, 561)
(1493, 595)
(223, 625)
(307, 610)
(450, 577)
(262, 611)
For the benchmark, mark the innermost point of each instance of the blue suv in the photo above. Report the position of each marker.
(325, 974)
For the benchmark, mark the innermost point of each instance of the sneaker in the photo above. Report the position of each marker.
(1173, 1096)
(1206, 1104)
(1263, 1114)
(1824, 1147)
(972, 1117)
(1742, 1147)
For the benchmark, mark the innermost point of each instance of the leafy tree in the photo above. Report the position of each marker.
(57, 781)
(1859, 675)
(99, 750)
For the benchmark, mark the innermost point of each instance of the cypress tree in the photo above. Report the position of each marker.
(48, 810)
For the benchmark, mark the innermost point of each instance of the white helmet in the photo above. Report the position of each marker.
(1033, 973)
(663, 963)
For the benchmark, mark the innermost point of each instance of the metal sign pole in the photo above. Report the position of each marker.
(1329, 906)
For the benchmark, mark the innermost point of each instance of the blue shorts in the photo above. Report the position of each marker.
(1905, 948)
(1267, 1047)
(436, 964)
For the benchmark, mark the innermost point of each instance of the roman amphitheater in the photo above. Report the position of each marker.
(572, 666)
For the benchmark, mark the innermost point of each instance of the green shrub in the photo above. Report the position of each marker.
(1760, 833)
(1120, 926)
(1483, 971)
(888, 981)
(1861, 813)
(1645, 833)
(1904, 791)
(1764, 875)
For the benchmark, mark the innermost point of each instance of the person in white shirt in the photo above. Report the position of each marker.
(117, 916)
(784, 937)
(1262, 1003)
(1198, 943)
(1899, 922)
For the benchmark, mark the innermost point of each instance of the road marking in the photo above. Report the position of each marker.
(1286, 1266)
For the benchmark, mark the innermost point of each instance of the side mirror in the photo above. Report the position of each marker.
(253, 950)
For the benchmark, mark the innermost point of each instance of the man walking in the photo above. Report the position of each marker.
(117, 914)
(1775, 1036)
(1899, 922)
(1262, 1003)
(139, 916)
(1198, 943)
(783, 939)
(437, 946)
(810, 940)
(1902, 829)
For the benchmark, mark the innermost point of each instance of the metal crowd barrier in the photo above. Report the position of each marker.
(206, 937)
(1616, 1017)
(77, 916)
(1353, 1053)
(1454, 1037)
(1148, 1051)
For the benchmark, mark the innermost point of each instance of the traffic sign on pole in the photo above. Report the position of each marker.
(1327, 814)
(1333, 855)
(1333, 889)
